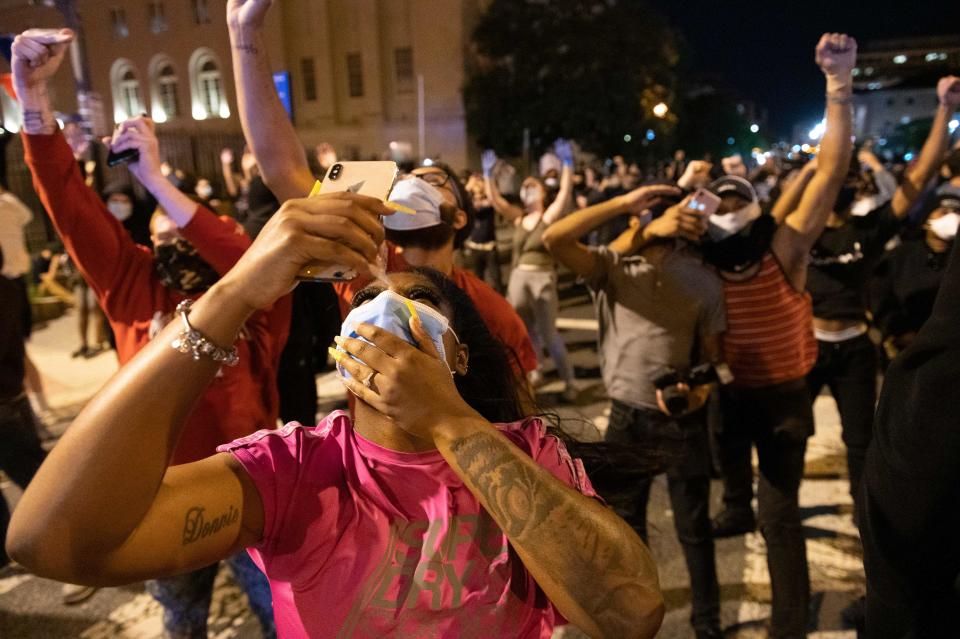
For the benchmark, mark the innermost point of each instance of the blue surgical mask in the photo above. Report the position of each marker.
(392, 312)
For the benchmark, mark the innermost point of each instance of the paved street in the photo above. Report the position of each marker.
(30, 607)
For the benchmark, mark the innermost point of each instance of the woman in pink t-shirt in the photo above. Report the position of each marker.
(422, 517)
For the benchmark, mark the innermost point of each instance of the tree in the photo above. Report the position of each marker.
(587, 70)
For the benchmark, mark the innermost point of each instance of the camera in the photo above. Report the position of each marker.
(335, 171)
(677, 401)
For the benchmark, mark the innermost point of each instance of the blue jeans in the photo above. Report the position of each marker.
(186, 598)
(688, 481)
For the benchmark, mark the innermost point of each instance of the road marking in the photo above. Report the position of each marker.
(9, 583)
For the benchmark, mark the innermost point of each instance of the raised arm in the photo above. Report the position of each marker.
(497, 201)
(588, 561)
(564, 151)
(836, 54)
(104, 508)
(562, 238)
(97, 242)
(226, 168)
(266, 127)
(790, 198)
(934, 148)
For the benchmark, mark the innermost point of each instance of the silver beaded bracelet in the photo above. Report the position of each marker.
(192, 341)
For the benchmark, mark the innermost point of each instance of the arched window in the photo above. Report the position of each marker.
(209, 97)
(127, 102)
(166, 102)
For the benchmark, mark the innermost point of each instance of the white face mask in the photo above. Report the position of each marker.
(205, 192)
(727, 224)
(945, 227)
(120, 210)
(530, 195)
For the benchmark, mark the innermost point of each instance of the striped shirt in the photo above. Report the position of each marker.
(769, 338)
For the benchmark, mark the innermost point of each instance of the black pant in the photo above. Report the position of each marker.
(849, 369)
(777, 419)
(20, 455)
(486, 266)
(689, 484)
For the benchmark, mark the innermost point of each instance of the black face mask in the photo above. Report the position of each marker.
(180, 267)
(737, 253)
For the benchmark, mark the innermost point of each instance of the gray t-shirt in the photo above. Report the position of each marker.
(651, 317)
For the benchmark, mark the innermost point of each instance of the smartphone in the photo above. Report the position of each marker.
(123, 157)
(705, 202)
(375, 179)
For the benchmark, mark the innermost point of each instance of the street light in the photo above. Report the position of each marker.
(754, 128)
(661, 110)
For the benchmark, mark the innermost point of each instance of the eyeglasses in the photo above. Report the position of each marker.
(435, 179)
(439, 179)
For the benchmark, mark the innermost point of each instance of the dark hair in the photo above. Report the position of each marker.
(491, 387)
(463, 199)
(431, 237)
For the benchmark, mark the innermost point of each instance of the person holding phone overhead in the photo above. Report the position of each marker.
(659, 308)
(444, 210)
(140, 291)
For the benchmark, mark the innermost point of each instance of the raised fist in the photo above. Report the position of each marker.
(248, 14)
(948, 91)
(836, 54)
(36, 55)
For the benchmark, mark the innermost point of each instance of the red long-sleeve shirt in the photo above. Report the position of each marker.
(242, 399)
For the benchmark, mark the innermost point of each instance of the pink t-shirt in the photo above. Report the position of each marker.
(362, 541)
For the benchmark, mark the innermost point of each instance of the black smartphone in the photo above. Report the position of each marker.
(123, 157)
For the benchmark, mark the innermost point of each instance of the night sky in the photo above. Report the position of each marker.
(765, 49)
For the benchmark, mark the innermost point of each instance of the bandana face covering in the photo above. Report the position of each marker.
(181, 268)
(392, 312)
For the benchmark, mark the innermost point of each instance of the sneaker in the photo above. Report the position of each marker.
(731, 524)
(570, 394)
(535, 377)
(80, 352)
(72, 594)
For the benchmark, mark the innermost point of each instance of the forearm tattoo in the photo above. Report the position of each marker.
(600, 564)
(36, 121)
(196, 525)
(246, 48)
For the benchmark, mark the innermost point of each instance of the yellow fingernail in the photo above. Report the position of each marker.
(335, 354)
(315, 189)
(399, 207)
(412, 308)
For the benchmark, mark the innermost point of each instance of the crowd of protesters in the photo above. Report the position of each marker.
(443, 502)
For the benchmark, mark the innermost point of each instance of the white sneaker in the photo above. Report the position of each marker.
(75, 593)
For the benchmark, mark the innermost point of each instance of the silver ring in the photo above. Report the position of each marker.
(369, 379)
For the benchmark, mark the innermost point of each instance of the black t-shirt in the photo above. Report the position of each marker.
(842, 261)
(907, 282)
(11, 339)
(484, 226)
(909, 517)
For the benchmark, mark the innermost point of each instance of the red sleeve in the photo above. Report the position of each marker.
(501, 318)
(95, 240)
(219, 240)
